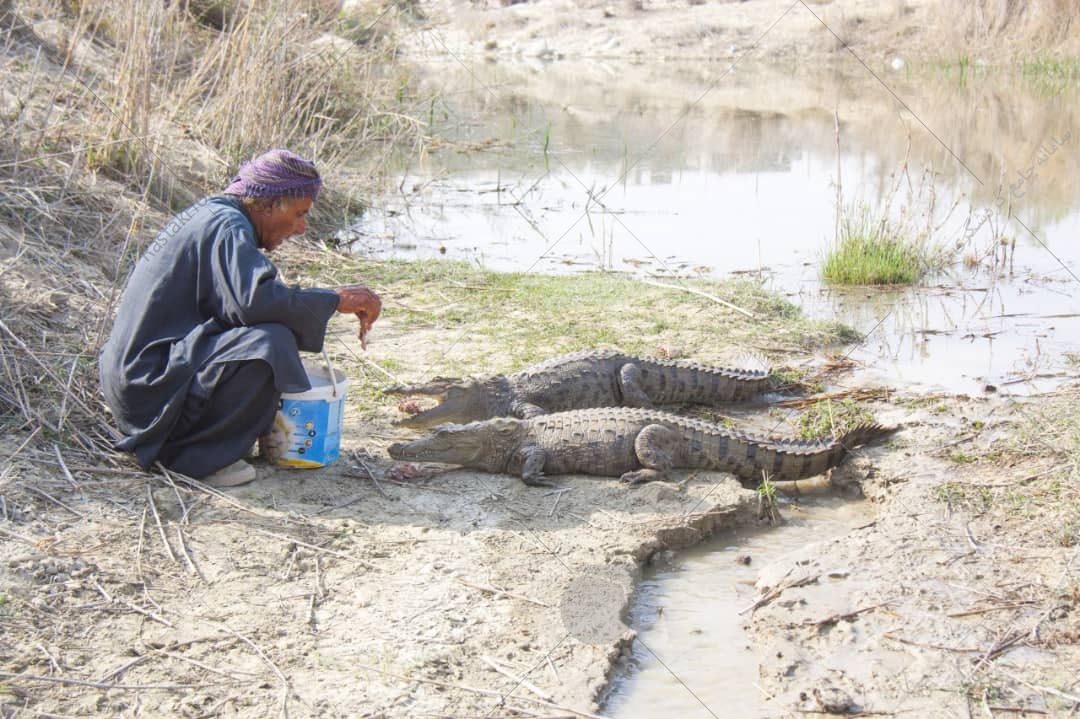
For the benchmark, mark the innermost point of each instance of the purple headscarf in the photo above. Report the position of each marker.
(276, 173)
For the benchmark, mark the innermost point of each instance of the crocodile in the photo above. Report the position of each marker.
(637, 445)
(593, 378)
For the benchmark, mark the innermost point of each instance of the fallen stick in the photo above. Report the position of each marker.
(1038, 688)
(778, 590)
(484, 692)
(139, 610)
(97, 685)
(1015, 710)
(286, 690)
(187, 554)
(840, 617)
(521, 681)
(316, 548)
(707, 296)
(984, 610)
(157, 520)
(928, 645)
(370, 474)
(52, 499)
(859, 393)
(497, 591)
(63, 465)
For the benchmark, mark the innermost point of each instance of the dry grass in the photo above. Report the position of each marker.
(987, 21)
(178, 102)
(110, 120)
(113, 119)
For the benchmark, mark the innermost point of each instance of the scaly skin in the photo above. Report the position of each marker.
(581, 380)
(637, 445)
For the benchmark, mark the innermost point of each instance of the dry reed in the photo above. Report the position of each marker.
(986, 21)
(116, 118)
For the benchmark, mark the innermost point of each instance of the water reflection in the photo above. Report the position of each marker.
(633, 172)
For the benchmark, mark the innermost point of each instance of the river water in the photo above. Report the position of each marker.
(581, 168)
(672, 172)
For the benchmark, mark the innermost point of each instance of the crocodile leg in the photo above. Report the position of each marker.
(527, 410)
(630, 386)
(656, 447)
(532, 469)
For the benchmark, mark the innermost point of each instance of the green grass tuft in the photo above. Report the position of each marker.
(872, 252)
(829, 419)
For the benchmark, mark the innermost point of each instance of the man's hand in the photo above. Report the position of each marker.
(362, 302)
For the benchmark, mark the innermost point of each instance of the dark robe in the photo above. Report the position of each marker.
(205, 340)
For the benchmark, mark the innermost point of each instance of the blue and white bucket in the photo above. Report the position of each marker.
(311, 421)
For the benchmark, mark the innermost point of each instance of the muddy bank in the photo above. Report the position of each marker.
(960, 599)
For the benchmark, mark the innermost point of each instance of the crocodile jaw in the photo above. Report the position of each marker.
(480, 445)
(459, 401)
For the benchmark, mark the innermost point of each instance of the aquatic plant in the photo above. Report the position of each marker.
(871, 251)
(895, 241)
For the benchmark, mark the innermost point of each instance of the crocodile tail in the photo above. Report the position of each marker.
(677, 381)
(754, 362)
(864, 434)
(785, 461)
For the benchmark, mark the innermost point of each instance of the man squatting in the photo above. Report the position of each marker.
(207, 338)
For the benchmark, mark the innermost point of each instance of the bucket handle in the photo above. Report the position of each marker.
(330, 372)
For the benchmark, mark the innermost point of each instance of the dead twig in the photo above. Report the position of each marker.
(483, 692)
(146, 613)
(186, 554)
(97, 685)
(779, 589)
(157, 521)
(63, 465)
(1046, 690)
(285, 688)
(837, 618)
(859, 394)
(928, 645)
(370, 474)
(502, 592)
(316, 548)
(521, 681)
(54, 500)
(997, 608)
(1015, 710)
(699, 293)
(558, 498)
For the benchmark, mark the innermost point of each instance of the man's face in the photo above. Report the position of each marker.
(280, 221)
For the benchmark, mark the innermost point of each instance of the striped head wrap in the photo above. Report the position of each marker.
(276, 173)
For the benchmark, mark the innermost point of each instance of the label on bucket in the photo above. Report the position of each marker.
(311, 424)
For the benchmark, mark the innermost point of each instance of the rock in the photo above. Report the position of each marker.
(831, 700)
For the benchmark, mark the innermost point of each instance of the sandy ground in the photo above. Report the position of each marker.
(652, 31)
(360, 590)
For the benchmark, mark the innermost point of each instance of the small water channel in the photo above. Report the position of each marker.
(693, 659)
(662, 171)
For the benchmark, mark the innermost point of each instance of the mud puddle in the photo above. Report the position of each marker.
(575, 168)
(692, 657)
